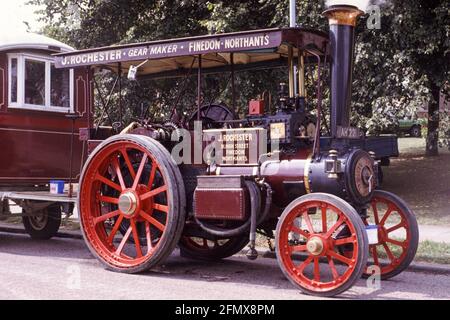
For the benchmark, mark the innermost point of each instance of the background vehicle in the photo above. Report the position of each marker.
(411, 127)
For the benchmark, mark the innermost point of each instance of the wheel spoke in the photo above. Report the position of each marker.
(339, 257)
(115, 228)
(386, 215)
(152, 175)
(153, 193)
(396, 242)
(342, 241)
(335, 226)
(304, 264)
(106, 216)
(398, 226)
(299, 231)
(324, 219)
(109, 199)
(124, 241)
(140, 170)
(298, 248)
(148, 236)
(333, 268)
(375, 254)
(153, 221)
(137, 243)
(161, 207)
(116, 168)
(108, 182)
(124, 153)
(316, 270)
(375, 212)
(308, 222)
(388, 252)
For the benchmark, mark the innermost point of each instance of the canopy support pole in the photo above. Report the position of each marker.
(293, 24)
(301, 74)
(316, 146)
(291, 72)
(233, 92)
(120, 94)
(89, 100)
(199, 86)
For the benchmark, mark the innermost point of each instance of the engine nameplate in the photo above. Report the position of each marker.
(242, 146)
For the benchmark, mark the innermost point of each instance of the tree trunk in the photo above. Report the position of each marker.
(433, 123)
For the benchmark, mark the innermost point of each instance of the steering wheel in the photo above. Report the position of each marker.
(210, 114)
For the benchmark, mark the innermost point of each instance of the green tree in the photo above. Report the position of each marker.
(405, 65)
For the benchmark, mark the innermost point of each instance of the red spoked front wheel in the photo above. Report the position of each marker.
(129, 184)
(398, 234)
(307, 244)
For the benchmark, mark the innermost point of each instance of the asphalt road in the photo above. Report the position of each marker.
(65, 269)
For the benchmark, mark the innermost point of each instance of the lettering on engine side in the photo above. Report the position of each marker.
(241, 146)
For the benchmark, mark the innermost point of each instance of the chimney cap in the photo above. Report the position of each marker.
(342, 14)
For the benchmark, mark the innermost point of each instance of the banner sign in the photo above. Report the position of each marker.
(166, 49)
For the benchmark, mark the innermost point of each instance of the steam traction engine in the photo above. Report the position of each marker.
(267, 172)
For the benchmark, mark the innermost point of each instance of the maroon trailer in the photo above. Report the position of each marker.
(41, 111)
(209, 181)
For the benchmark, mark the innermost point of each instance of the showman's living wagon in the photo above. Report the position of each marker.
(209, 181)
(38, 132)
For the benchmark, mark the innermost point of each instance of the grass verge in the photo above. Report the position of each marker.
(434, 252)
(428, 251)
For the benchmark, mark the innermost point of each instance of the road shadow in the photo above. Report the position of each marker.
(237, 270)
(22, 244)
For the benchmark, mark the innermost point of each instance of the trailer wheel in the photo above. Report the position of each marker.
(211, 250)
(416, 131)
(322, 216)
(398, 234)
(44, 224)
(151, 204)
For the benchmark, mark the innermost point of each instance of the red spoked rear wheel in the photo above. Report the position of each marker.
(130, 183)
(211, 250)
(307, 244)
(398, 234)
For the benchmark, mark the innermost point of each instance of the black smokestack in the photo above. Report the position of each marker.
(342, 20)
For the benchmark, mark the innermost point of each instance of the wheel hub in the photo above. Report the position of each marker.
(382, 234)
(315, 246)
(128, 203)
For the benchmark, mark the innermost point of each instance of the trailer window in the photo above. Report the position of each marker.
(36, 84)
(59, 87)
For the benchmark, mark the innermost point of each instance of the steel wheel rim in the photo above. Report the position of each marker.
(39, 221)
(110, 162)
(380, 219)
(329, 252)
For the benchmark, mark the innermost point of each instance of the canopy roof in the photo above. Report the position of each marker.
(251, 48)
(27, 40)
